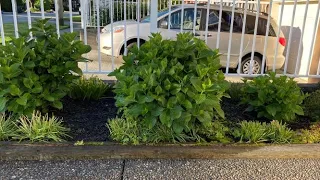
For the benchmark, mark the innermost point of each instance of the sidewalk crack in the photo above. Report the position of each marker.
(123, 167)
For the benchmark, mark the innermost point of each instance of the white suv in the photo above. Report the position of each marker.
(212, 35)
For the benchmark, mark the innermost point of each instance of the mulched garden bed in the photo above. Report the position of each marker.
(87, 119)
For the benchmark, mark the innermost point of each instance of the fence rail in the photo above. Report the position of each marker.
(253, 36)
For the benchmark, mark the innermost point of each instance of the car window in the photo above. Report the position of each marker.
(262, 26)
(213, 24)
(188, 19)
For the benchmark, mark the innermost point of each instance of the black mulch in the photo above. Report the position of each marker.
(87, 119)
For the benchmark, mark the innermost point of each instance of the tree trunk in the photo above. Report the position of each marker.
(60, 12)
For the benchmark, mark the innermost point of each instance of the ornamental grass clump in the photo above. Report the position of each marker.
(92, 88)
(40, 128)
(7, 127)
(171, 83)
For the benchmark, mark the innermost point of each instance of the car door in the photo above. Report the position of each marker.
(223, 46)
(175, 22)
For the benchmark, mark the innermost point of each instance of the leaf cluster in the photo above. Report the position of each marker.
(171, 83)
(36, 72)
(273, 97)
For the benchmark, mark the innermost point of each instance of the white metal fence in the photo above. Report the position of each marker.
(253, 36)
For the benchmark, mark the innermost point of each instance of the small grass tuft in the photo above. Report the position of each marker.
(40, 128)
(89, 89)
(7, 127)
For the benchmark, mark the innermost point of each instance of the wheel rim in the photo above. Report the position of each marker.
(255, 67)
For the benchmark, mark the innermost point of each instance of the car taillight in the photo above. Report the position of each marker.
(282, 41)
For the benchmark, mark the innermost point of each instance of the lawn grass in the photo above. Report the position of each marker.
(22, 28)
(74, 18)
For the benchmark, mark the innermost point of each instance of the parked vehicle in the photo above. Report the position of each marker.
(212, 35)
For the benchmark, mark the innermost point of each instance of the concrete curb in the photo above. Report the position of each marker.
(16, 151)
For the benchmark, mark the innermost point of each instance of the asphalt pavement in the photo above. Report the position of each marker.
(273, 169)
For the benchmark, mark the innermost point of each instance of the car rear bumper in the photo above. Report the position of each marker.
(278, 62)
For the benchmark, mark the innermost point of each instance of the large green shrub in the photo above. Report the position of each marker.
(176, 84)
(275, 98)
(312, 105)
(36, 73)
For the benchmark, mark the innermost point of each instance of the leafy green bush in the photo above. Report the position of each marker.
(279, 133)
(36, 73)
(275, 98)
(40, 128)
(252, 132)
(88, 89)
(7, 128)
(169, 83)
(312, 105)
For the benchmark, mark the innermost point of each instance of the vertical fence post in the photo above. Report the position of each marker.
(242, 35)
(230, 36)
(3, 40)
(254, 37)
(153, 15)
(29, 16)
(15, 21)
(70, 16)
(266, 38)
(111, 23)
(56, 7)
(98, 32)
(301, 38)
(42, 8)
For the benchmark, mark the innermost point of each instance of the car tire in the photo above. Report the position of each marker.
(256, 68)
(131, 44)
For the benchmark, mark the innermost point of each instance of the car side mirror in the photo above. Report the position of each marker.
(164, 24)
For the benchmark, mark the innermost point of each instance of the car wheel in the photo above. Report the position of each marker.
(131, 44)
(256, 66)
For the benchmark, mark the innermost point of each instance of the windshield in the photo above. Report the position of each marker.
(160, 13)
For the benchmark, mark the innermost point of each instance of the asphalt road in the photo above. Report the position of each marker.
(7, 17)
(272, 169)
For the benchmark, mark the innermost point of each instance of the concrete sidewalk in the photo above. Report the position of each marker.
(114, 161)
(198, 169)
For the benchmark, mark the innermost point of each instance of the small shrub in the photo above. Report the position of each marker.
(37, 72)
(125, 131)
(273, 98)
(235, 91)
(216, 132)
(279, 133)
(311, 135)
(170, 83)
(88, 89)
(7, 127)
(40, 128)
(252, 132)
(312, 105)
